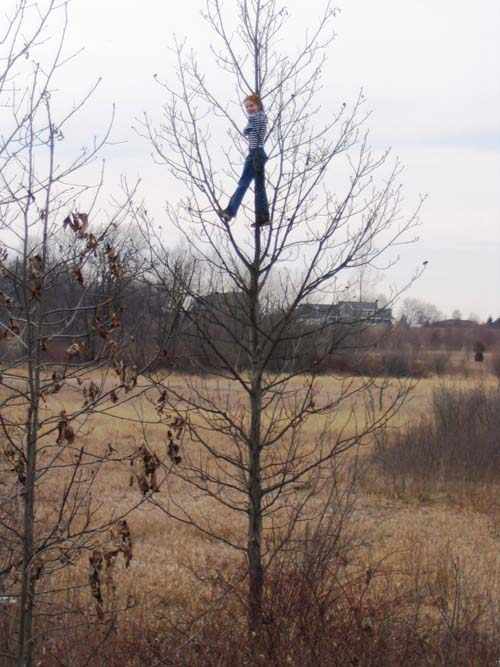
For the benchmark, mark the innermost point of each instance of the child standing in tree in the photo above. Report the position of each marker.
(253, 169)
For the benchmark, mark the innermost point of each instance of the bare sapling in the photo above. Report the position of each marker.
(67, 358)
(255, 390)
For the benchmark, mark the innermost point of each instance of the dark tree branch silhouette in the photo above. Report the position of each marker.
(65, 358)
(249, 447)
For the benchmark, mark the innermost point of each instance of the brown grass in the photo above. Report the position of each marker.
(452, 449)
(430, 598)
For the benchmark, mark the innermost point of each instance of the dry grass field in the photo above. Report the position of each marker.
(425, 558)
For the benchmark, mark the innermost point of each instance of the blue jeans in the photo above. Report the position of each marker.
(253, 169)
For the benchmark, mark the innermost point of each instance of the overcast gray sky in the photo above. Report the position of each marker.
(430, 71)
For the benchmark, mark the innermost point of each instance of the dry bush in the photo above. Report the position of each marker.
(326, 602)
(389, 355)
(495, 365)
(399, 352)
(402, 363)
(453, 447)
(389, 362)
(318, 611)
(324, 605)
(439, 363)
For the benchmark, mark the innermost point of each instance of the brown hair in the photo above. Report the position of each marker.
(256, 100)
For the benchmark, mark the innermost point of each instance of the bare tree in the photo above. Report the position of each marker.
(65, 361)
(249, 451)
(362, 286)
(419, 312)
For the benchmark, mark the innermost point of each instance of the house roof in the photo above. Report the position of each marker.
(359, 305)
(317, 308)
(454, 323)
(338, 310)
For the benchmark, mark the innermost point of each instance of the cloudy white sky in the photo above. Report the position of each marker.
(430, 71)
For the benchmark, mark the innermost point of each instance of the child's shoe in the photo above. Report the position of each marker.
(223, 215)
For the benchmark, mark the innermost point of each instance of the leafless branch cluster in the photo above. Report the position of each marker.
(66, 347)
(90, 303)
(250, 450)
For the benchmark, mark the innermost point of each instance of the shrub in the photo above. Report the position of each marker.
(401, 363)
(319, 611)
(322, 606)
(374, 363)
(440, 363)
(456, 441)
(495, 365)
(479, 347)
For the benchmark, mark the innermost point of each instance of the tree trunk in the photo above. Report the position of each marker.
(25, 646)
(34, 330)
(255, 568)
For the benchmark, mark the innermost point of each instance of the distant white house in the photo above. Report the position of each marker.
(321, 314)
(219, 307)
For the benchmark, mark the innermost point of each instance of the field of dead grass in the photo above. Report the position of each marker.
(425, 541)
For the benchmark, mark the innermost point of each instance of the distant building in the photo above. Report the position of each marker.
(223, 307)
(316, 314)
(320, 314)
(353, 311)
(454, 324)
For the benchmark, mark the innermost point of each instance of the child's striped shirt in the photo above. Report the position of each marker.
(255, 131)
